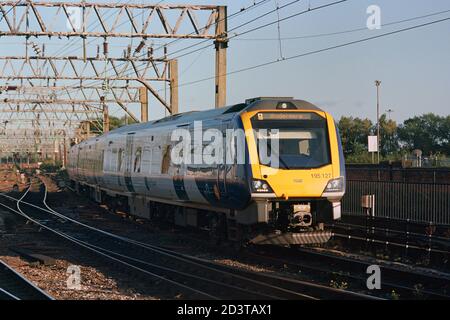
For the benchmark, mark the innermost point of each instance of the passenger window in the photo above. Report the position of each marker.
(146, 165)
(102, 159)
(137, 160)
(120, 160)
(165, 164)
(113, 160)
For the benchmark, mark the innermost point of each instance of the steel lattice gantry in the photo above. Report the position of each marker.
(84, 71)
(41, 90)
(94, 13)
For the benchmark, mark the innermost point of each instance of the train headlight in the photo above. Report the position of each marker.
(335, 185)
(261, 186)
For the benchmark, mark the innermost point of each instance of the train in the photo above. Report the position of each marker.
(267, 171)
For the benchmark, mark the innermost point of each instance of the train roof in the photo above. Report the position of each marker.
(260, 103)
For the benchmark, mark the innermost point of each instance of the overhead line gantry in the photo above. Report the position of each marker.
(48, 86)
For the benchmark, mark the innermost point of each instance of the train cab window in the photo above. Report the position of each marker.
(302, 142)
(165, 163)
(137, 160)
(300, 148)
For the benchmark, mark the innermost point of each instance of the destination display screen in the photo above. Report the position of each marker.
(288, 116)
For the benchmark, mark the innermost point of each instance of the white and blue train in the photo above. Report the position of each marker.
(131, 168)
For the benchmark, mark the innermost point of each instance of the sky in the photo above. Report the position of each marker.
(414, 66)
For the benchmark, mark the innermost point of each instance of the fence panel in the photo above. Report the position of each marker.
(419, 202)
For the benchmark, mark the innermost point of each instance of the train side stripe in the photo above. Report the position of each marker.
(180, 189)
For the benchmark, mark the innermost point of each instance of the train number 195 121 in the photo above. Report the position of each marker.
(321, 175)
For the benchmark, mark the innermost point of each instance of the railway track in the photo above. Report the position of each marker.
(13, 286)
(401, 239)
(189, 276)
(407, 283)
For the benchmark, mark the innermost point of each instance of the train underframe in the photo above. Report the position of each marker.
(264, 221)
(288, 222)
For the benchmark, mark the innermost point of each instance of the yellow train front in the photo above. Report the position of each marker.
(267, 171)
(294, 196)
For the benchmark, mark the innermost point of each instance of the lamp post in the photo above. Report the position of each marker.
(377, 84)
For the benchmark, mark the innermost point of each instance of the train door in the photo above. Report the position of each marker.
(78, 163)
(222, 166)
(129, 161)
(96, 163)
(100, 168)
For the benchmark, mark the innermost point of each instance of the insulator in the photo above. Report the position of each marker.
(105, 85)
(105, 48)
(139, 47)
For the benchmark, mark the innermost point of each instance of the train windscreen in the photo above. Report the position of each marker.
(298, 140)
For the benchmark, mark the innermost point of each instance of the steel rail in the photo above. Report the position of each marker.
(344, 273)
(220, 266)
(93, 249)
(203, 262)
(199, 263)
(126, 260)
(423, 236)
(322, 270)
(155, 249)
(5, 295)
(14, 286)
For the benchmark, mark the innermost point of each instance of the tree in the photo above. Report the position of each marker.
(444, 133)
(429, 133)
(354, 132)
(389, 139)
(115, 122)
